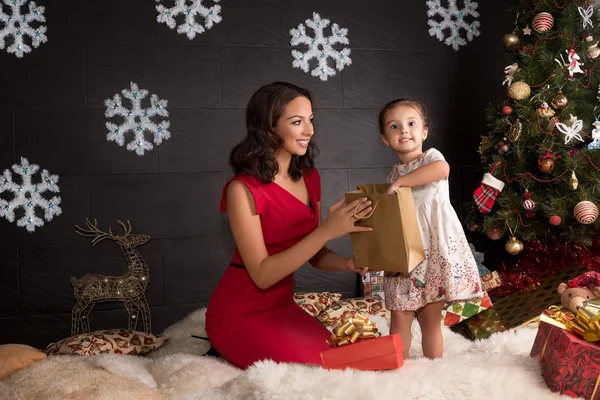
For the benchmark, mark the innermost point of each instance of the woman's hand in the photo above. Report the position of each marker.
(341, 219)
(352, 268)
(393, 187)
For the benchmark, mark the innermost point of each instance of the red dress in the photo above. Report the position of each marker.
(245, 323)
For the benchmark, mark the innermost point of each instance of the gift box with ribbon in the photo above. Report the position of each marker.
(491, 281)
(570, 364)
(356, 344)
(454, 313)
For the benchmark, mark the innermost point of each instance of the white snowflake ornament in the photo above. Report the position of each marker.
(137, 119)
(453, 19)
(571, 132)
(320, 47)
(18, 26)
(190, 27)
(28, 195)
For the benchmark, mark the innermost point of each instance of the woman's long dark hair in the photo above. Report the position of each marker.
(255, 155)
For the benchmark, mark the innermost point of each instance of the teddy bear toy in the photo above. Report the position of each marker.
(582, 288)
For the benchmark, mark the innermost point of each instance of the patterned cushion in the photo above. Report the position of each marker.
(316, 303)
(349, 307)
(113, 341)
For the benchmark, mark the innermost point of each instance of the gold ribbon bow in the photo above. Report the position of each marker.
(585, 323)
(353, 329)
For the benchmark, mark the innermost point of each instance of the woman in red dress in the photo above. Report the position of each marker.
(273, 208)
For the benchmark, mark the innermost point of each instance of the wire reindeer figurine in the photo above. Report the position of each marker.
(129, 288)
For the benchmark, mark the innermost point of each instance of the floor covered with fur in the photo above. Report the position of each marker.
(496, 368)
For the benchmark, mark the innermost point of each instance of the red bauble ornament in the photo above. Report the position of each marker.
(554, 220)
(528, 204)
(585, 212)
(507, 110)
(543, 22)
(495, 234)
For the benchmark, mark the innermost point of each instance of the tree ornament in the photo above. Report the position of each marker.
(571, 132)
(573, 182)
(527, 30)
(592, 49)
(595, 144)
(509, 71)
(543, 22)
(554, 220)
(507, 110)
(511, 40)
(560, 100)
(495, 233)
(586, 15)
(519, 90)
(472, 226)
(573, 65)
(515, 131)
(503, 147)
(514, 246)
(528, 204)
(484, 145)
(546, 162)
(485, 195)
(545, 111)
(585, 212)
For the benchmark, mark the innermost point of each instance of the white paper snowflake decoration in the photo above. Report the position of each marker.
(320, 47)
(190, 26)
(571, 132)
(454, 20)
(17, 25)
(137, 119)
(27, 195)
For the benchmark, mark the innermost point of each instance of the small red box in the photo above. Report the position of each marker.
(570, 365)
(373, 354)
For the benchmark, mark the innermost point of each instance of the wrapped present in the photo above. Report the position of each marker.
(357, 345)
(454, 313)
(570, 365)
(380, 353)
(372, 284)
(491, 281)
(520, 307)
(483, 325)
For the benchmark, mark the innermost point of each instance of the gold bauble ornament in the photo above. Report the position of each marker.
(546, 165)
(519, 90)
(511, 39)
(514, 246)
(560, 100)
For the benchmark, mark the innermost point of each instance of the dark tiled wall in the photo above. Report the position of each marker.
(51, 111)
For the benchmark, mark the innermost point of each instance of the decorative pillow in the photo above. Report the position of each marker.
(350, 307)
(113, 341)
(14, 357)
(316, 303)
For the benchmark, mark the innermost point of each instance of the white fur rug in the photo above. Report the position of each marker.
(497, 368)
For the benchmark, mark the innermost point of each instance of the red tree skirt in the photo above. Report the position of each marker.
(540, 260)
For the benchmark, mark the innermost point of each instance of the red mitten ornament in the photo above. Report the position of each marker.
(485, 195)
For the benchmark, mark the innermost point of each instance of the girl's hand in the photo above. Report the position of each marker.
(392, 188)
(352, 268)
(340, 219)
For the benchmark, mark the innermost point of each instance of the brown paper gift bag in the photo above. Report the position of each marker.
(395, 242)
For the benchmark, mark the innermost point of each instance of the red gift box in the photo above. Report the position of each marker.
(373, 354)
(570, 365)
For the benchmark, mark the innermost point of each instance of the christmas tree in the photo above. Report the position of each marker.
(541, 156)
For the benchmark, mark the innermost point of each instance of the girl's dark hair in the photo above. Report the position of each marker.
(255, 154)
(417, 105)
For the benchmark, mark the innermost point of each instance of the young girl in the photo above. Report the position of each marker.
(449, 271)
(273, 206)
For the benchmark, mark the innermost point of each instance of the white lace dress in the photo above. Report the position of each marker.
(449, 272)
